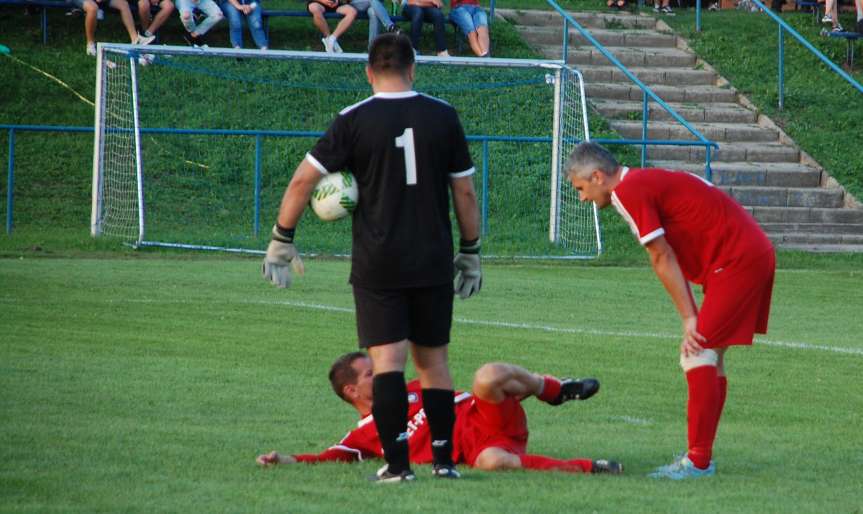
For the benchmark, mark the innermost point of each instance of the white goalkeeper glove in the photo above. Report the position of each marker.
(281, 257)
(468, 277)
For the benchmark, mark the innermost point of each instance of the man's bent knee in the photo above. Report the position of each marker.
(496, 459)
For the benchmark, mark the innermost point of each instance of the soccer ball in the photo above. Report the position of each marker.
(335, 196)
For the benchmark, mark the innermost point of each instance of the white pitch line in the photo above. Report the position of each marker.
(798, 345)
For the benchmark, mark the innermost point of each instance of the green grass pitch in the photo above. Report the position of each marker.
(149, 385)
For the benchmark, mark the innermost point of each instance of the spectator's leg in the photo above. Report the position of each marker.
(462, 19)
(374, 25)
(435, 16)
(126, 15)
(415, 14)
(256, 27)
(91, 11)
(350, 14)
(235, 24)
(380, 12)
(187, 15)
(166, 8)
(144, 14)
(480, 21)
(317, 10)
(214, 15)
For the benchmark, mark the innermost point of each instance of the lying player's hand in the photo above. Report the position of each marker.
(282, 256)
(273, 458)
(468, 277)
(692, 340)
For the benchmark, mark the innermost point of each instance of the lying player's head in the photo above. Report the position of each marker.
(391, 55)
(351, 377)
(589, 169)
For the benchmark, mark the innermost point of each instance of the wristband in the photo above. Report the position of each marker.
(285, 235)
(469, 246)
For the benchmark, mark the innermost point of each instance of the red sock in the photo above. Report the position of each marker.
(550, 388)
(702, 411)
(548, 463)
(723, 389)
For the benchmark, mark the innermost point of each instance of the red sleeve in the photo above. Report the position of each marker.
(637, 206)
(330, 455)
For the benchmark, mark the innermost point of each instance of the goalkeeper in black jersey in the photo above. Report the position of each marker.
(408, 152)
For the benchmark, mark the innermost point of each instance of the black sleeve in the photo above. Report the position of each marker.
(332, 152)
(460, 160)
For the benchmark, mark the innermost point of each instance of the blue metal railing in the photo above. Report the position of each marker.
(647, 95)
(785, 27)
(259, 144)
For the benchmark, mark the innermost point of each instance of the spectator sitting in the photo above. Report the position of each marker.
(195, 31)
(418, 11)
(473, 22)
(859, 5)
(149, 23)
(320, 7)
(234, 11)
(91, 10)
(378, 17)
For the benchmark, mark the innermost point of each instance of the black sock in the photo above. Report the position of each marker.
(440, 412)
(390, 410)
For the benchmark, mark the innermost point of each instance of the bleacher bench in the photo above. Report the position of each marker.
(44, 5)
(849, 37)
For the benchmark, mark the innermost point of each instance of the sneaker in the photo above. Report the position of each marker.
(656, 8)
(667, 10)
(383, 476)
(713, 7)
(609, 467)
(144, 40)
(336, 47)
(91, 49)
(827, 19)
(576, 389)
(195, 41)
(838, 28)
(445, 471)
(682, 469)
(392, 28)
(328, 44)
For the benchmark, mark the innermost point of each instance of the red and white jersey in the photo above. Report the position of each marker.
(708, 230)
(363, 442)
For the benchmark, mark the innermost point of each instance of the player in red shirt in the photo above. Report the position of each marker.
(491, 426)
(696, 233)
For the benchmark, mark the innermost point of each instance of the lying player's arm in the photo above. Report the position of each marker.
(664, 262)
(330, 455)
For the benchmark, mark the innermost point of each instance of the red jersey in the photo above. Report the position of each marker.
(363, 442)
(708, 230)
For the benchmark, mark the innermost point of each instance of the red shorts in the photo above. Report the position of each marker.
(484, 425)
(737, 303)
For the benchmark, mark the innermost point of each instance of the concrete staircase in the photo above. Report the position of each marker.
(796, 202)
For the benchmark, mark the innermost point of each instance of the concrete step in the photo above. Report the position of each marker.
(611, 21)
(820, 247)
(759, 196)
(797, 240)
(678, 77)
(723, 112)
(807, 215)
(626, 90)
(814, 228)
(771, 174)
(663, 57)
(727, 152)
(541, 36)
(719, 132)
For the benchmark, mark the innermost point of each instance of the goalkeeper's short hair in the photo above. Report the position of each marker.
(391, 54)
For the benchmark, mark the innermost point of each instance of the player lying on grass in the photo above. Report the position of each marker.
(490, 429)
(695, 233)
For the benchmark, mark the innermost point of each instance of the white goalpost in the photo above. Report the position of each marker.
(193, 148)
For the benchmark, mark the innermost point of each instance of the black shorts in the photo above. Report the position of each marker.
(421, 314)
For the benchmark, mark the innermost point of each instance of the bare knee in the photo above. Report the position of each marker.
(186, 17)
(488, 379)
(496, 459)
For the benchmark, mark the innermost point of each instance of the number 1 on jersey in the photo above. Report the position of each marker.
(406, 141)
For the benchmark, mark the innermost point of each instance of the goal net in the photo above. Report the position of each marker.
(194, 148)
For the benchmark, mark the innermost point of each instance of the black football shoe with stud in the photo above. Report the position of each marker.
(383, 476)
(608, 467)
(445, 471)
(576, 389)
